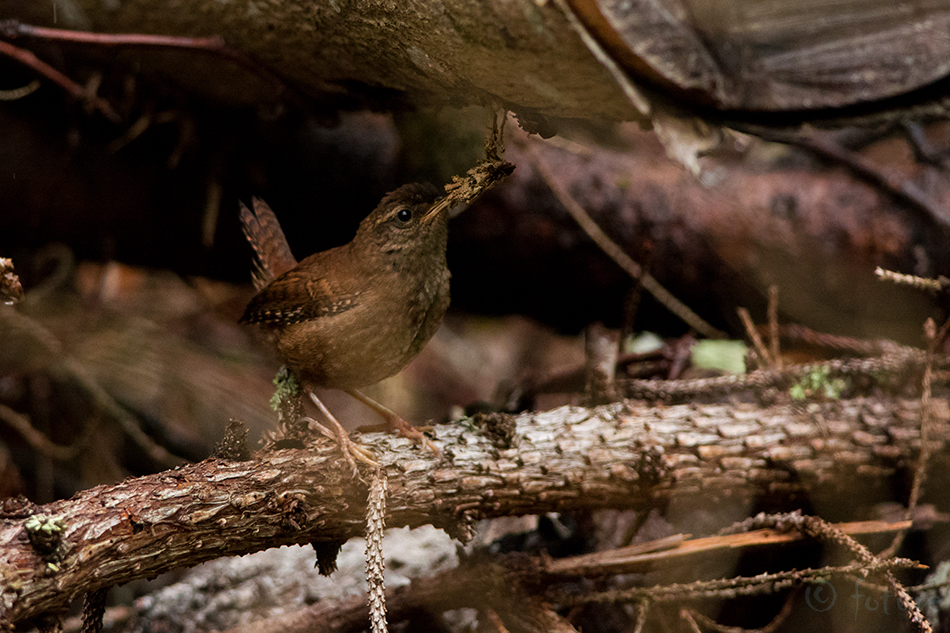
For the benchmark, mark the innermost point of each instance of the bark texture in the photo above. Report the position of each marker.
(424, 51)
(738, 59)
(617, 456)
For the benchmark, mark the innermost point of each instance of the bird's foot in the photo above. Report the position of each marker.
(415, 433)
(397, 425)
(352, 451)
(394, 422)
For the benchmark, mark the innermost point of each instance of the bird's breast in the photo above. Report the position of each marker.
(393, 319)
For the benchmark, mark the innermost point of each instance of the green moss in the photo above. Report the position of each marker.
(818, 383)
(287, 389)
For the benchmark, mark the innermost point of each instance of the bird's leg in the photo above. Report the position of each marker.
(394, 421)
(350, 448)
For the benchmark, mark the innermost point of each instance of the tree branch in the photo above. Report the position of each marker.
(618, 456)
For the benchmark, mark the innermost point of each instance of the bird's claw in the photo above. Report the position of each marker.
(352, 451)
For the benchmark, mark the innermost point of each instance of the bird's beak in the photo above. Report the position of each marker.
(442, 204)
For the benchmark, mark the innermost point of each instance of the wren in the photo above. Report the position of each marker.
(348, 317)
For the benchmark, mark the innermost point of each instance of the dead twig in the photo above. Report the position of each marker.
(935, 286)
(680, 550)
(375, 564)
(18, 93)
(106, 403)
(214, 45)
(765, 357)
(483, 176)
(822, 530)
(776, 622)
(726, 588)
(808, 336)
(93, 609)
(896, 361)
(617, 254)
(27, 58)
(36, 439)
(935, 340)
(774, 328)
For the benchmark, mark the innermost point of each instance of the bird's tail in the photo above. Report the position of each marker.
(272, 256)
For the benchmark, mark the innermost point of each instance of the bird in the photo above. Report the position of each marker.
(348, 317)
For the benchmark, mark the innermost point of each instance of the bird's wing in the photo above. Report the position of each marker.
(298, 295)
(272, 256)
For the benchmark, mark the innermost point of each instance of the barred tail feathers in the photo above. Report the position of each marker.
(272, 256)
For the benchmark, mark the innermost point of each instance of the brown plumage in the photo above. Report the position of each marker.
(353, 315)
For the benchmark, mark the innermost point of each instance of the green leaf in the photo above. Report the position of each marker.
(724, 355)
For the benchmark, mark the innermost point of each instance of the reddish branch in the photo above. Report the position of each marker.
(13, 28)
(75, 90)
(214, 45)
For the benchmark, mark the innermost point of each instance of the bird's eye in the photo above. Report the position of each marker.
(404, 215)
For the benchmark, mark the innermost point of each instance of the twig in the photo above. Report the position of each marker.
(134, 131)
(79, 375)
(935, 340)
(677, 550)
(773, 328)
(27, 58)
(375, 564)
(939, 285)
(214, 44)
(642, 611)
(776, 622)
(753, 333)
(36, 439)
(727, 587)
(896, 362)
(486, 174)
(687, 616)
(631, 305)
(93, 608)
(18, 93)
(15, 28)
(824, 531)
(797, 332)
(511, 587)
(612, 250)
(107, 403)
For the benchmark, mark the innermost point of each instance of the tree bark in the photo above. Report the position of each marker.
(348, 54)
(618, 456)
(740, 60)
